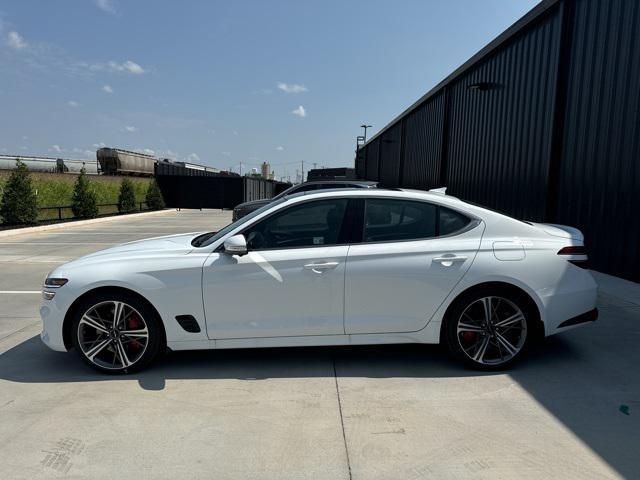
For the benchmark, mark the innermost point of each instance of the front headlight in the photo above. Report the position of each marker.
(50, 284)
(55, 282)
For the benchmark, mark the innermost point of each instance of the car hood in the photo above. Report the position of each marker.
(147, 247)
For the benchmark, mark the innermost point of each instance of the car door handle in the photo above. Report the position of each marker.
(321, 267)
(447, 261)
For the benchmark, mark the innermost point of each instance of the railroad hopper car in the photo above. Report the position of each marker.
(115, 161)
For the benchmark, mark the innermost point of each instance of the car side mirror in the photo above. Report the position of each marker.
(236, 245)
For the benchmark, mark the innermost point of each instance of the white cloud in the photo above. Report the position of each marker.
(130, 129)
(89, 153)
(15, 41)
(193, 157)
(107, 89)
(212, 131)
(235, 132)
(56, 148)
(291, 87)
(280, 148)
(128, 66)
(226, 154)
(100, 145)
(106, 6)
(300, 111)
(73, 103)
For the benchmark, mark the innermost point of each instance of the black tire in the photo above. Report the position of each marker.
(137, 315)
(466, 344)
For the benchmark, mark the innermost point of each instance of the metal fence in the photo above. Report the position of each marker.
(65, 212)
(219, 191)
(543, 124)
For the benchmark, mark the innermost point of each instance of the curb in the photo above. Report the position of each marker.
(55, 226)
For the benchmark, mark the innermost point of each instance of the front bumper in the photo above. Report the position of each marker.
(52, 314)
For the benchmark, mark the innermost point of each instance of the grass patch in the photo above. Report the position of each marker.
(56, 189)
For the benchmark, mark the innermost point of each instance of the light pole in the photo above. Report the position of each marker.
(365, 126)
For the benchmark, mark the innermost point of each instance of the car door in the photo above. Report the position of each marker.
(290, 283)
(412, 255)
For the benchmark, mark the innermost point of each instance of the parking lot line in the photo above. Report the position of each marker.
(10, 292)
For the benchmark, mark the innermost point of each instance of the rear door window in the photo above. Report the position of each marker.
(389, 220)
(392, 220)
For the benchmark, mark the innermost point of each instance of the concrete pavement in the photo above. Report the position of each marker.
(570, 410)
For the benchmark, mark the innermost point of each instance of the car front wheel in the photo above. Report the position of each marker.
(116, 333)
(488, 330)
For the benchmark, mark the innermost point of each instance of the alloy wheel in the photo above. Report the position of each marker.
(492, 330)
(113, 335)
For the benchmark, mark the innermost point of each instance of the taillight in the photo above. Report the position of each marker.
(575, 250)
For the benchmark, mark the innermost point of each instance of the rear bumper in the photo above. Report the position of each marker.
(590, 316)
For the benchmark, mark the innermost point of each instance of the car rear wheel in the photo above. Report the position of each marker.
(488, 330)
(116, 333)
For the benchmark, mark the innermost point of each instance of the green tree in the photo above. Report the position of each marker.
(154, 196)
(19, 203)
(83, 202)
(127, 197)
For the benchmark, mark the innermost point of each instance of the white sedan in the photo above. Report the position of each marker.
(346, 267)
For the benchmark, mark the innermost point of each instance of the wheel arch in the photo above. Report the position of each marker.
(66, 325)
(501, 286)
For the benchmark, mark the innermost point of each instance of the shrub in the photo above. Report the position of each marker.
(127, 197)
(154, 196)
(19, 202)
(83, 202)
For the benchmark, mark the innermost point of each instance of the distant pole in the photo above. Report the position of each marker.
(240, 168)
(302, 179)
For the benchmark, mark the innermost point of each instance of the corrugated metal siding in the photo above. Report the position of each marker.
(373, 149)
(600, 168)
(500, 138)
(390, 156)
(423, 145)
(361, 165)
(555, 137)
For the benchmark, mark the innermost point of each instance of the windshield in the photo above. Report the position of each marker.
(207, 239)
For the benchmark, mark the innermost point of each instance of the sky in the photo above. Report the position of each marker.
(222, 83)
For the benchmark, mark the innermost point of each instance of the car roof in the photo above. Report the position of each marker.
(338, 182)
(439, 198)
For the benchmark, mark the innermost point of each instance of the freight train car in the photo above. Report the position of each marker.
(48, 164)
(115, 161)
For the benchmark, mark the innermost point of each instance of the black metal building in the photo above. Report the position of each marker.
(543, 124)
(339, 173)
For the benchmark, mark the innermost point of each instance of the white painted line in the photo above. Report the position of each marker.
(11, 292)
(58, 243)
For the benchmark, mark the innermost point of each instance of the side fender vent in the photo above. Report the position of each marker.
(188, 323)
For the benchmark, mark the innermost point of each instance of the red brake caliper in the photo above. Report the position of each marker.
(134, 323)
(469, 337)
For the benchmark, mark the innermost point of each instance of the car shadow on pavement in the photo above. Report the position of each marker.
(588, 379)
(32, 362)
